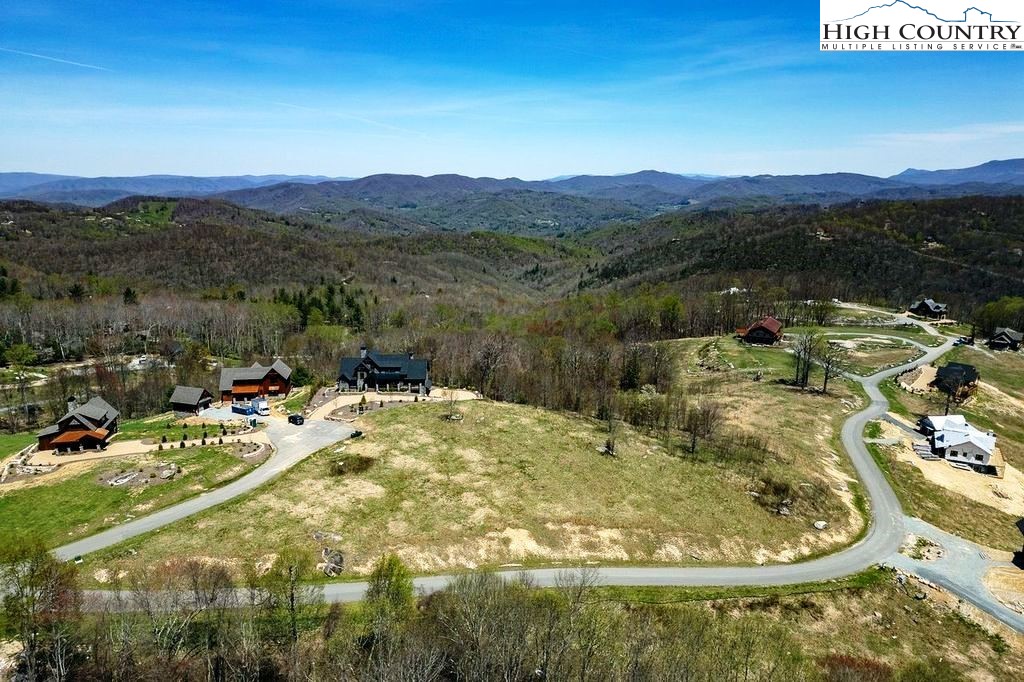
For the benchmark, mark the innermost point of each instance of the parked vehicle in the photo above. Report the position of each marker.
(357, 434)
(261, 406)
(243, 408)
(296, 419)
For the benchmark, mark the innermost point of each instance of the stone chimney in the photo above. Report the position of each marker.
(362, 352)
(72, 404)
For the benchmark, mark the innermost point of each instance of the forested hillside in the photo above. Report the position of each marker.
(965, 251)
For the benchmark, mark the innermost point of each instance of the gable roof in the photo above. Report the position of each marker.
(256, 372)
(188, 395)
(1011, 334)
(955, 430)
(769, 324)
(957, 373)
(97, 414)
(931, 304)
(399, 365)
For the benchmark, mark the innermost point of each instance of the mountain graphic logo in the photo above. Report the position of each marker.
(968, 15)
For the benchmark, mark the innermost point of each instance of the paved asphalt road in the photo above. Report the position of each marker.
(292, 443)
(960, 572)
(882, 541)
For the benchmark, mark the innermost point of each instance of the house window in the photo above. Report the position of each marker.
(978, 458)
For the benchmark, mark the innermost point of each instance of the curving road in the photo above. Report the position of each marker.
(960, 573)
(292, 445)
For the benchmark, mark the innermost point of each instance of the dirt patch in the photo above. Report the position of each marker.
(1006, 494)
(918, 380)
(69, 470)
(1007, 585)
(920, 548)
(409, 464)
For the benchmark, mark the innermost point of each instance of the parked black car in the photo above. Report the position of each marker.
(296, 419)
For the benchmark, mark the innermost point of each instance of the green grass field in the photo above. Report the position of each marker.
(297, 399)
(72, 503)
(10, 443)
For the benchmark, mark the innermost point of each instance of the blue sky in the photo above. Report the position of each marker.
(523, 89)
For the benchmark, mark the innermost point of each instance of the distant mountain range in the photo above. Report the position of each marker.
(98, 191)
(555, 206)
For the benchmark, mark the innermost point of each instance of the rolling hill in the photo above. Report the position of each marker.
(102, 190)
(1010, 172)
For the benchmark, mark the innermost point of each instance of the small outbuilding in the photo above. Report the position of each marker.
(190, 400)
(766, 331)
(1004, 338)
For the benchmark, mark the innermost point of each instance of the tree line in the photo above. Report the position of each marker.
(187, 620)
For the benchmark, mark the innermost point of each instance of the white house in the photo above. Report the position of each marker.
(958, 441)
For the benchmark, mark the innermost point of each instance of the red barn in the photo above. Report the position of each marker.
(766, 331)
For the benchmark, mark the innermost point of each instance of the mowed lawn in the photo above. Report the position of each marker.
(72, 502)
(11, 443)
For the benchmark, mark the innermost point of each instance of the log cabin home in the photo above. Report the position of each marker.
(257, 381)
(89, 427)
(765, 332)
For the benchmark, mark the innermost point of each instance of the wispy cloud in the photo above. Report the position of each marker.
(54, 59)
(959, 134)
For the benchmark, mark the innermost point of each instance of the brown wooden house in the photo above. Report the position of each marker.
(89, 427)
(765, 332)
(246, 383)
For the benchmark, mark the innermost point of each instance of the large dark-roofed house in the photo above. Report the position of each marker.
(765, 331)
(1004, 338)
(88, 427)
(929, 308)
(246, 383)
(957, 379)
(190, 399)
(373, 370)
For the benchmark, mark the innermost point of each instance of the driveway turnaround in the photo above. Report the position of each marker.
(960, 571)
(292, 444)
